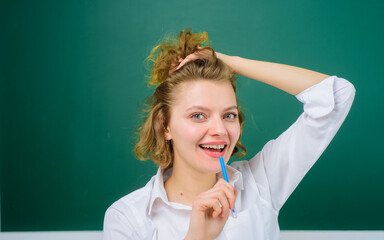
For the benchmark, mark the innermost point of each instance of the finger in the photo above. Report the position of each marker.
(219, 195)
(217, 207)
(190, 57)
(177, 65)
(224, 214)
(229, 191)
(224, 202)
(206, 205)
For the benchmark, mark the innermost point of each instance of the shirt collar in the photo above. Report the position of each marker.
(234, 176)
(158, 191)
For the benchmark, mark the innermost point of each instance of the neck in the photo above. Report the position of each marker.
(185, 184)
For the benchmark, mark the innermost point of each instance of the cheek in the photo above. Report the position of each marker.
(235, 133)
(192, 133)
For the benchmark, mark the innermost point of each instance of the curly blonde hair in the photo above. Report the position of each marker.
(151, 143)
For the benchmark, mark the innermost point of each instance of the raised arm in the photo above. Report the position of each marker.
(282, 163)
(292, 80)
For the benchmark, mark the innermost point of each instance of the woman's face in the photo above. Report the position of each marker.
(203, 125)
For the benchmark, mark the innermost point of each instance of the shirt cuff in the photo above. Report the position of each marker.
(318, 99)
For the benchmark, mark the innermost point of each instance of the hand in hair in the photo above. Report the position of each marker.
(191, 57)
(229, 60)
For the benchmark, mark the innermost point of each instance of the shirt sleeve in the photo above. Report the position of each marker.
(283, 162)
(117, 226)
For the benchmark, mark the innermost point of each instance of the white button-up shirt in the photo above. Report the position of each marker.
(264, 182)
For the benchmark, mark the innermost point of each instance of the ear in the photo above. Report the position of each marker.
(167, 134)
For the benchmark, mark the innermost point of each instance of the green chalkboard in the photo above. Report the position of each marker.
(72, 83)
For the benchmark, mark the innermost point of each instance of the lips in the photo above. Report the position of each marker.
(213, 149)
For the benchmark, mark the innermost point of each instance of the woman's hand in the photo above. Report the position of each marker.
(229, 60)
(210, 211)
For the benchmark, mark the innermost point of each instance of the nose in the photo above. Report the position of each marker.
(217, 127)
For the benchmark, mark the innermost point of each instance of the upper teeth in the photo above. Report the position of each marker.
(212, 146)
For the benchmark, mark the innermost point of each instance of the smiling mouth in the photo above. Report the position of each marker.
(213, 148)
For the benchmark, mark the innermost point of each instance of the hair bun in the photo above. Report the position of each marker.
(171, 51)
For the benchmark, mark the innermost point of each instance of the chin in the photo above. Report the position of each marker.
(209, 164)
(212, 168)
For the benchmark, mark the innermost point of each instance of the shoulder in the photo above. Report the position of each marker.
(137, 200)
(129, 213)
(241, 166)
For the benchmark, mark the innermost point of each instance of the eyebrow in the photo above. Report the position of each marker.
(206, 109)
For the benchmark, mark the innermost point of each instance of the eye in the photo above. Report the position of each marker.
(230, 115)
(198, 116)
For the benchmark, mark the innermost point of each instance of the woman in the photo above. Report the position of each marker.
(193, 119)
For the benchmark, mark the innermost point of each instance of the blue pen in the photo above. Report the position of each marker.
(226, 179)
